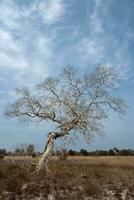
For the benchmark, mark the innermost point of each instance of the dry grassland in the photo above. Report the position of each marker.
(77, 178)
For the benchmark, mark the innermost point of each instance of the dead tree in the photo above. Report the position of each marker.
(74, 102)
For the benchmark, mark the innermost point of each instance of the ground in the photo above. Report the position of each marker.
(77, 178)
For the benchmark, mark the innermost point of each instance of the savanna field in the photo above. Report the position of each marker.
(77, 178)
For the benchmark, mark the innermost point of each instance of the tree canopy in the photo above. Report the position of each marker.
(74, 101)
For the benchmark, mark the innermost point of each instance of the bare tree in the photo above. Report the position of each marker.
(74, 102)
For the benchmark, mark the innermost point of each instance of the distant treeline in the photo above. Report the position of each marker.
(30, 150)
(111, 152)
(23, 150)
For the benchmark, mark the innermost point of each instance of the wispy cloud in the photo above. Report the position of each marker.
(102, 45)
(27, 43)
(11, 53)
(51, 11)
(96, 24)
(90, 50)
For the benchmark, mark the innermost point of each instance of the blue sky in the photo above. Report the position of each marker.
(38, 37)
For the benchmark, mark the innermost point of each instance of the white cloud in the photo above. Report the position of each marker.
(26, 47)
(96, 24)
(9, 14)
(11, 53)
(51, 11)
(90, 50)
(103, 47)
(7, 41)
(11, 63)
(44, 45)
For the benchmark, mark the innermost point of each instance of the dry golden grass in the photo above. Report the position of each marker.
(76, 178)
(126, 161)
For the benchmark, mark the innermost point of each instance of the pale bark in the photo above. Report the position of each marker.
(43, 162)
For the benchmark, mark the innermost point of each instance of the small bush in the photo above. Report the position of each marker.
(33, 155)
(83, 152)
(1, 156)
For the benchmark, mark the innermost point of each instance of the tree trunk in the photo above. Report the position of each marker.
(43, 162)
